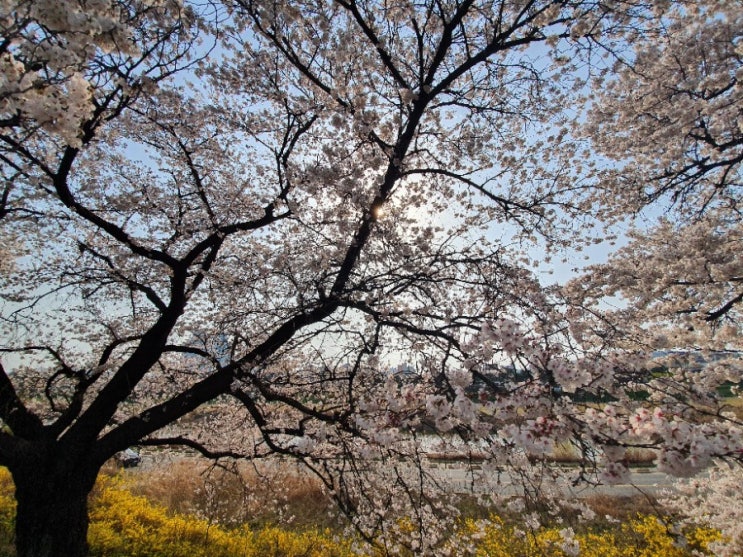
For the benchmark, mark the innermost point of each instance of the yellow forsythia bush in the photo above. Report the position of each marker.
(645, 536)
(7, 513)
(127, 525)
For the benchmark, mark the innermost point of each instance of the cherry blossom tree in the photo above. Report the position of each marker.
(672, 110)
(712, 501)
(234, 218)
(675, 290)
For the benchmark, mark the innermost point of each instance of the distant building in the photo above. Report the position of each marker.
(405, 373)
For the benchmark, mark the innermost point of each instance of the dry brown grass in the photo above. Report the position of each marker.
(623, 508)
(734, 405)
(283, 494)
(565, 453)
(635, 456)
(238, 494)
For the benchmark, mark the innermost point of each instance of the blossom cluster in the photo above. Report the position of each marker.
(43, 67)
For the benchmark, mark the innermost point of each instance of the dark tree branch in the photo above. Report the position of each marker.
(14, 413)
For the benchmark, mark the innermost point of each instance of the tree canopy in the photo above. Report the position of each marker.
(226, 223)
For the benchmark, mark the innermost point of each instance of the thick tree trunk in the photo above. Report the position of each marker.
(52, 515)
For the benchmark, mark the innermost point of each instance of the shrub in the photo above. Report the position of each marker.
(125, 524)
(7, 514)
(644, 536)
(255, 495)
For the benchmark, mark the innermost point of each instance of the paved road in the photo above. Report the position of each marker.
(646, 481)
(456, 476)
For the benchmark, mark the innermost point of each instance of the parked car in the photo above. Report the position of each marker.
(128, 458)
